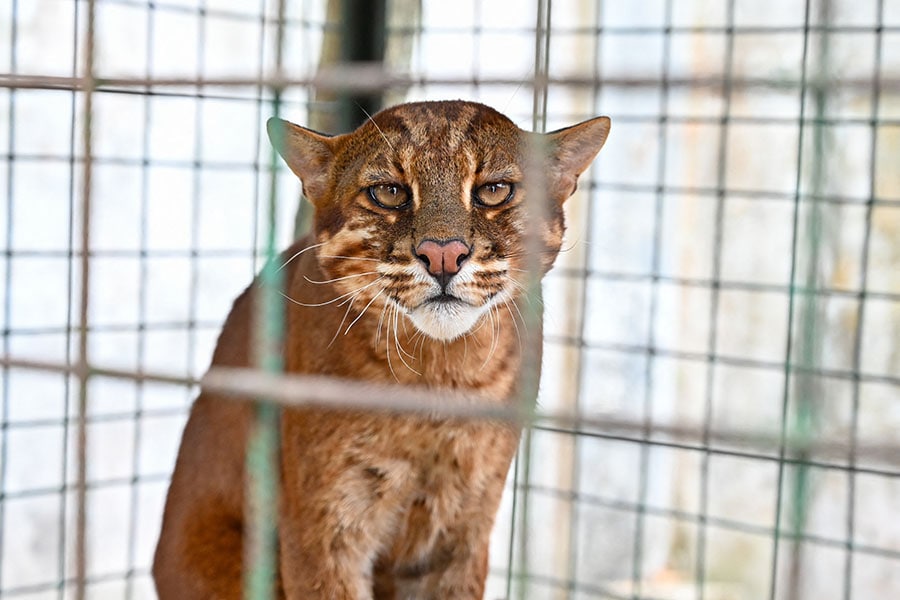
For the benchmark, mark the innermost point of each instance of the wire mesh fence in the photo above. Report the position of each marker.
(719, 405)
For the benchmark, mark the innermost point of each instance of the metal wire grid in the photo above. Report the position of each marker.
(644, 432)
(808, 289)
(70, 576)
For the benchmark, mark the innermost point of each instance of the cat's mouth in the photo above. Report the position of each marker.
(445, 298)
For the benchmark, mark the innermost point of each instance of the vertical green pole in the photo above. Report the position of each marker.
(808, 388)
(263, 443)
(263, 446)
(788, 429)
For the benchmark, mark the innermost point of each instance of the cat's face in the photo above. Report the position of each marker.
(425, 208)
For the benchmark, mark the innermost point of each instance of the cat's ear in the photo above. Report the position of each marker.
(573, 149)
(307, 153)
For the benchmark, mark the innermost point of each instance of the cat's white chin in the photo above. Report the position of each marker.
(446, 320)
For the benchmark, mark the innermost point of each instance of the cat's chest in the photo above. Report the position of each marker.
(454, 469)
(438, 464)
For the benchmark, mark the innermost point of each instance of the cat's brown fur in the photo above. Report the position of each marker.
(376, 505)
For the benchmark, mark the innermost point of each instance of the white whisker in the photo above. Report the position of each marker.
(340, 278)
(387, 347)
(371, 120)
(419, 339)
(359, 316)
(380, 323)
(526, 252)
(349, 257)
(513, 317)
(521, 316)
(400, 350)
(494, 336)
(333, 300)
(298, 254)
(481, 323)
(344, 318)
(399, 345)
(525, 294)
(527, 77)
(405, 329)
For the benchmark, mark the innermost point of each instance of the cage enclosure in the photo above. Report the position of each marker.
(720, 399)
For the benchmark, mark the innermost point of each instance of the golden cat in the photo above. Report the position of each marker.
(416, 257)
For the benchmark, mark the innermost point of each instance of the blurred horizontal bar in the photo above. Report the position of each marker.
(162, 253)
(270, 18)
(299, 390)
(743, 193)
(713, 521)
(721, 284)
(372, 77)
(32, 589)
(167, 163)
(92, 484)
(100, 417)
(725, 359)
(647, 30)
(768, 454)
(130, 327)
(94, 371)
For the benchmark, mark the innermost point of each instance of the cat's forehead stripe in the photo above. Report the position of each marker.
(446, 127)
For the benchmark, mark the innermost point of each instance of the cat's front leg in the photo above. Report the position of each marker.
(337, 570)
(464, 577)
(337, 513)
(329, 543)
(468, 535)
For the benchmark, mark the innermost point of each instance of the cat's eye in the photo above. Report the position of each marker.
(494, 194)
(389, 195)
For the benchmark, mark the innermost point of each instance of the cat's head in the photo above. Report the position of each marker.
(427, 206)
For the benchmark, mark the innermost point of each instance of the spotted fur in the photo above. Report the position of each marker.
(377, 506)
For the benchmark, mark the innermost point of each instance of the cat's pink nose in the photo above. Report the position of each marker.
(443, 259)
